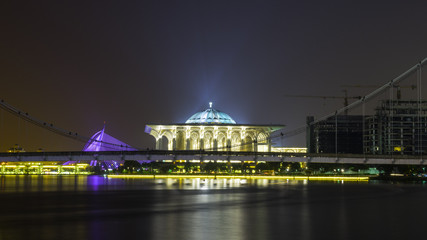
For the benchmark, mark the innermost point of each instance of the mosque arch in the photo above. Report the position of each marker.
(180, 140)
(154, 133)
(167, 140)
(164, 143)
(247, 144)
(262, 142)
(221, 141)
(262, 137)
(208, 140)
(235, 141)
(194, 141)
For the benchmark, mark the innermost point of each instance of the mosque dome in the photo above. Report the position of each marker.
(211, 116)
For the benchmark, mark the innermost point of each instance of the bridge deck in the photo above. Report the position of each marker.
(154, 155)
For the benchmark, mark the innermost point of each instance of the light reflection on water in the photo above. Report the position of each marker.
(96, 207)
(46, 183)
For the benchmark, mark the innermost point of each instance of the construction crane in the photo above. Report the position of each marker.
(345, 97)
(398, 88)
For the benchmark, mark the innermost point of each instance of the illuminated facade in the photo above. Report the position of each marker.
(212, 130)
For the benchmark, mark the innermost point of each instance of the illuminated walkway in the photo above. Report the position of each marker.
(51, 168)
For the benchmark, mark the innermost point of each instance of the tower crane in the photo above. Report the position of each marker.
(398, 88)
(345, 97)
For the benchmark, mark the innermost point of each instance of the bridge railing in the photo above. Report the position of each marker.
(176, 154)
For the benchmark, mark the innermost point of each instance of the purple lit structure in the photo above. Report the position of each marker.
(101, 141)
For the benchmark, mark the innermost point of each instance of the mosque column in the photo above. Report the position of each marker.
(187, 145)
(159, 143)
(174, 144)
(215, 139)
(255, 144)
(201, 138)
(228, 144)
(187, 138)
(180, 141)
(202, 144)
(269, 145)
(215, 145)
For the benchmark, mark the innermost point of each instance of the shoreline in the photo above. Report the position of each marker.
(311, 178)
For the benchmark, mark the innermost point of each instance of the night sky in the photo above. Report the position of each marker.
(80, 63)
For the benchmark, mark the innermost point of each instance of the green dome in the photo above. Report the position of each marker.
(211, 116)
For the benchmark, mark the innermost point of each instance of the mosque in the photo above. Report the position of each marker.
(212, 130)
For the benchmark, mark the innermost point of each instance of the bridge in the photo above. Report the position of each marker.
(207, 156)
(229, 156)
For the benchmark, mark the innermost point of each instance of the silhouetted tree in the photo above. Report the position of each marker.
(236, 167)
(131, 166)
(210, 167)
(223, 167)
(246, 167)
(167, 167)
(262, 167)
(294, 167)
(385, 169)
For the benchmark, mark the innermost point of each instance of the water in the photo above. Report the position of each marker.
(94, 207)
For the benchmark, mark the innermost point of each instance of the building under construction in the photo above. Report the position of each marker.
(398, 127)
(340, 134)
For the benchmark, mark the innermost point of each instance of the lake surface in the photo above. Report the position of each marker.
(96, 207)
